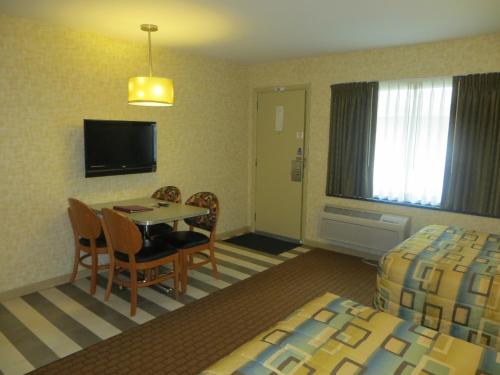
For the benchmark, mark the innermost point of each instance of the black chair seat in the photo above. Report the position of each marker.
(186, 239)
(99, 242)
(155, 249)
(158, 230)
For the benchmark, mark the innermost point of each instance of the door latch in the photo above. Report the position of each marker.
(297, 168)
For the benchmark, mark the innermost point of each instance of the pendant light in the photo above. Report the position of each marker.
(150, 91)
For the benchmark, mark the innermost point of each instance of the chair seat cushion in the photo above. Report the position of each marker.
(186, 239)
(99, 242)
(158, 230)
(152, 250)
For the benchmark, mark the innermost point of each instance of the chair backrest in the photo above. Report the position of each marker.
(168, 193)
(208, 200)
(121, 233)
(73, 225)
(84, 221)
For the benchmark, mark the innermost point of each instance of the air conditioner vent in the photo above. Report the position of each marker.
(370, 232)
(354, 213)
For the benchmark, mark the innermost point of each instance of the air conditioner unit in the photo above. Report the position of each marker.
(365, 231)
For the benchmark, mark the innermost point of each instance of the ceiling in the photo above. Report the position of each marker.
(252, 31)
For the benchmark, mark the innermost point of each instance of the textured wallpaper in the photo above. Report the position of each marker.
(473, 55)
(50, 80)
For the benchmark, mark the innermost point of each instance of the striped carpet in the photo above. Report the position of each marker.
(42, 327)
(188, 340)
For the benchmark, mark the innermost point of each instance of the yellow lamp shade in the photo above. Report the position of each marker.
(150, 91)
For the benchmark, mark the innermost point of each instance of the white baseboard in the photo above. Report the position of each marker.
(45, 284)
(338, 249)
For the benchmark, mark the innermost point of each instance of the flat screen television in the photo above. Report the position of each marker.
(119, 147)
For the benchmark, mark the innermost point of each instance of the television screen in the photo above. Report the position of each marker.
(119, 147)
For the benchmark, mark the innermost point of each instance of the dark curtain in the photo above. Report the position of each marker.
(353, 120)
(472, 173)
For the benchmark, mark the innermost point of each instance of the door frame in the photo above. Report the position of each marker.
(253, 150)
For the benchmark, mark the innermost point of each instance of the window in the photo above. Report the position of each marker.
(411, 138)
(428, 142)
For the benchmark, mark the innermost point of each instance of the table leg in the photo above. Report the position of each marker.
(145, 235)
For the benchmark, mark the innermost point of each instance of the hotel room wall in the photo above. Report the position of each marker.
(455, 57)
(52, 78)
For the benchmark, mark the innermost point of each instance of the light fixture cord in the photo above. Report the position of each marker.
(150, 56)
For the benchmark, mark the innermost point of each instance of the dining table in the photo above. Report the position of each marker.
(159, 211)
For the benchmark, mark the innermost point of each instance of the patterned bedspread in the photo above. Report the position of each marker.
(447, 279)
(332, 335)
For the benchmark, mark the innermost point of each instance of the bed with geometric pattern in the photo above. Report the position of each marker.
(333, 335)
(447, 279)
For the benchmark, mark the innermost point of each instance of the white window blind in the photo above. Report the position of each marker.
(412, 131)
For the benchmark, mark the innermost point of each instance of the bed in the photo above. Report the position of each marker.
(447, 279)
(332, 335)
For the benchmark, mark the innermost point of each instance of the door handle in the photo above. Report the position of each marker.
(297, 170)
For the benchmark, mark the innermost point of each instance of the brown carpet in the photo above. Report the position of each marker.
(190, 339)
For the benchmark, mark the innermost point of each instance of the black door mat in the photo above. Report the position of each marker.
(262, 243)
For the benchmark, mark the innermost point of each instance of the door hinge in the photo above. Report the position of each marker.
(255, 162)
(255, 216)
(257, 105)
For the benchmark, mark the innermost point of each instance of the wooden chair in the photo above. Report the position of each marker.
(131, 255)
(168, 194)
(89, 240)
(190, 242)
